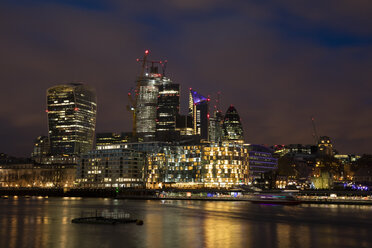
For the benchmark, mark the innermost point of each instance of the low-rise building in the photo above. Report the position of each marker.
(108, 168)
(261, 161)
(42, 176)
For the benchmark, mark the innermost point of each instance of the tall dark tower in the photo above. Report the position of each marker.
(71, 118)
(232, 127)
(167, 109)
(215, 126)
(198, 109)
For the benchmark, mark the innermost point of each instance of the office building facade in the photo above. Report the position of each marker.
(111, 168)
(157, 106)
(71, 110)
(198, 109)
(207, 165)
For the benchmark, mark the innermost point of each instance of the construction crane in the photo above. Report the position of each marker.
(315, 133)
(163, 65)
(133, 101)
(153, 73)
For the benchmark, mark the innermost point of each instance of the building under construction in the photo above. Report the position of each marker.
(156, 104)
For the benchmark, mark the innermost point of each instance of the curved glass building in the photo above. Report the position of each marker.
(232, 127)
(71, 113)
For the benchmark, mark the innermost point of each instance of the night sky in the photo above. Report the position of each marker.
(277, 62)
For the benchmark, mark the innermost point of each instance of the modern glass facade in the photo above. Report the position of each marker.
(198, 109)
(207, 165)
(71, 118)
(157, 106)
(215, 127)
(146, 108)
(261, 160)
(168, 106)
(232, 127)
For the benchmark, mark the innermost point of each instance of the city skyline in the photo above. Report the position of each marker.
(277, 72)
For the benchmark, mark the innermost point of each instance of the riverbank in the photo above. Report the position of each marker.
(310, 197)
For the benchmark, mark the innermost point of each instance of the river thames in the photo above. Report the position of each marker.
(46, 222)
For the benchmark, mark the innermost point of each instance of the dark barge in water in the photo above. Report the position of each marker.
(106, 217)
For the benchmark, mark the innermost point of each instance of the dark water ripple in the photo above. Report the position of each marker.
(40, 222)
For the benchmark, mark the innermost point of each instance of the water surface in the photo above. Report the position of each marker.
(41, 222)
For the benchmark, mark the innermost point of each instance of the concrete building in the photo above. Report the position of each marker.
(40, 176)
(107, 168)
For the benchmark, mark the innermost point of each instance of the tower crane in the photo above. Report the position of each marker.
(315, 133)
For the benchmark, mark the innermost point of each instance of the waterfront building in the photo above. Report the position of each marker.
(146, 147)
(41, 149)
(26, 175)
(107, 168)
(198, 109)
(59, 160)
(261, 161)
(205, 165)
(232, 126)
(71, 118)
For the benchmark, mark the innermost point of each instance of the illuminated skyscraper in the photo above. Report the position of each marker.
(232, 126)
(71, 118)
(198, 109)
(215, 126)
(157, 105)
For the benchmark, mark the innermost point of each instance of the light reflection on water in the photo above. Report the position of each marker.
(40, 222)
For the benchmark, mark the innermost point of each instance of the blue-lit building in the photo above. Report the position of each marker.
(198, 109)
(261, 160)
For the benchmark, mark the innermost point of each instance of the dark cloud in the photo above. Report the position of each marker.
(278, 63)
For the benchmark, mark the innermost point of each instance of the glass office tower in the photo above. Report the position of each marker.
(71, 113)
(232, 127)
